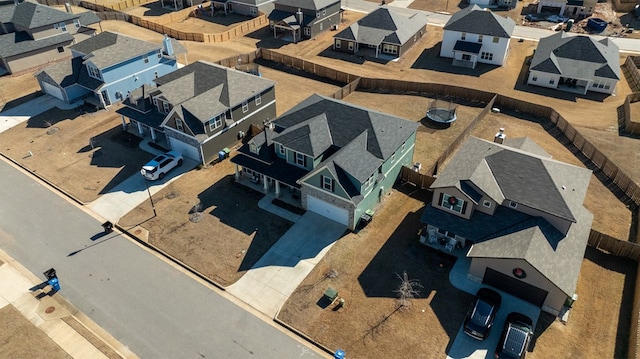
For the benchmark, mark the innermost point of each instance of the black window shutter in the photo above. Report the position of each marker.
(464, 207)
(440, 200)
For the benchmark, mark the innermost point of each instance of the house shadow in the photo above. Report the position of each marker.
(363, 55)
(49, 119)
(20, 100)
(155, 8)
(402, 252)
(430, 59)
(221, 19)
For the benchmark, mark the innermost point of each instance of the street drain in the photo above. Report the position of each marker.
(50, 310)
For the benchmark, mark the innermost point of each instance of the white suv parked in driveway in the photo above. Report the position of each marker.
(161, 164)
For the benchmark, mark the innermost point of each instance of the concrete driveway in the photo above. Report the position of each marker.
(25, 111)
(268, 284)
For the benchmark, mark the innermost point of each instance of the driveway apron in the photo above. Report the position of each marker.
(268, 284)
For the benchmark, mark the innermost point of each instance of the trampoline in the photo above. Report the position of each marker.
(443, 112)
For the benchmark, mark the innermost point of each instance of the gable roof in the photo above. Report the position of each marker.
(577, 56)
(505, 173)
(16, 43)
(476, 20)
(307, 4)
(31, 15)
(359, 139)
(110, 48)
(384, 25)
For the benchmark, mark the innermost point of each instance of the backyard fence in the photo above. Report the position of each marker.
(631, 126)
(634, 330)
(422, 181)
(623, 5)
(630, 71)
(346, 90)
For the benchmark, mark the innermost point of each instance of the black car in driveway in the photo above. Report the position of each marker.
(515, 337)
(481, 313)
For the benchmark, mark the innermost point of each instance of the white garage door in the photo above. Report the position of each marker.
(186, 150)
(328, 210)
(52, 90)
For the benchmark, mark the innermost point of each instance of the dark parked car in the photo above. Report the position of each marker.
(515, 337)
(481, 313)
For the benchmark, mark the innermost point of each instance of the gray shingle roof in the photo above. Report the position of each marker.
(307, 4)
(384, 25)
(205, 89)
(17, 43)
(88, 18)
(31, 15)
(362, 138)
(505, 173)
(64, 73)
(475, 20)
(109, 48)
(577, 57)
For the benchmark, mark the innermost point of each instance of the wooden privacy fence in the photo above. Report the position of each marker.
(614, 246)
(630, 124)
(423, 181)
(623, 5)
(634, 330)
(308, 66)
(630, 71)
(346, 90)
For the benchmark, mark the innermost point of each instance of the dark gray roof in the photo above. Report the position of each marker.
(308, 4)
(109, 48)
(17, 43)
(504, 173)
(64, 73)
(577, 57)
(6, 11)
(475, 20)
(31, 15)
(384, 25)
(467, 46)
(88, 18)
(205, 89)
(360, 138)
(527, 145)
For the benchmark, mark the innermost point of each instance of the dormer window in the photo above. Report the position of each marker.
(94, 72)
(179, 126)
(166, 107)
(452, 203)
(76, 22)
(61, 25)
(253, 148)
(327, 183)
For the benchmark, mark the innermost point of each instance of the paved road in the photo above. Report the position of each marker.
(149, 306)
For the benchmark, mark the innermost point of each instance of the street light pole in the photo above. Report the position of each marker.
(150, 198)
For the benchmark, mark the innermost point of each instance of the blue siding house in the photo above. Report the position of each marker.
(107, 67)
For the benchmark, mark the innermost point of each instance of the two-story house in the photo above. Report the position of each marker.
(338, 159)
(106, 67)
(520, 212)
(246, 7)
(570, 8)
(297, 20)
(475, 35)
(32, 34)
(201, 109)
(575, 64)
(385, 30)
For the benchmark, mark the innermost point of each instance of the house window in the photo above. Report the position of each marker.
(486, 204)
(159, 54)
(513, 204)
(463, 36)
(393, 157)
(179, 126)
(94, 72)
(327, 183)
(215, 122)
(389, 49)
(480, 38)
(452, 203)
(534, 78)
(281, 149)
(317, 13)
(166, 107)
(145, 58)
(552, 81)
(253, 11)
(466, 57)
(119, 95)
(324, 12)
(496, 39)
(300, 159)
(245, 107)
(321, 26)
(402, 148)
(307, 31)
(61, 25)
(76, 22)
(60, 49)
(350, 46)
(155, 74)
(338, 43)
(258, 100)
(253, 148)
(155, 101)
(607, 86)
(486, 56)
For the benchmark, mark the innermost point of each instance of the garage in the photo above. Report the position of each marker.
(52, 90)
(515, 287)
(328, 210)
(186, 149)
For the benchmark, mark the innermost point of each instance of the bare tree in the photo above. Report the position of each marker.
(407, 290)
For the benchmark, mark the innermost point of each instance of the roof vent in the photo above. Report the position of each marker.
(500, 136)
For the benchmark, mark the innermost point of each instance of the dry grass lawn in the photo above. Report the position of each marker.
(21, 339)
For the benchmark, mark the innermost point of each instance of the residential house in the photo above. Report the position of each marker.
(494, 3)
(304, 19)
(337, 159)
(520, 212)
(248, 7)
(384, 30)
(575, 64)
(475, 35)
(106, 67)
(32, 34)
(201, 109)
(570, 8)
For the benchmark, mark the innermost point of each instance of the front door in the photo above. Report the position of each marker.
(105, 97)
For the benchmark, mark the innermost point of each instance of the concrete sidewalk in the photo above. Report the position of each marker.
(46, 313)
(270, 282)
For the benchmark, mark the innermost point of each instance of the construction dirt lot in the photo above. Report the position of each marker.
(225, 243)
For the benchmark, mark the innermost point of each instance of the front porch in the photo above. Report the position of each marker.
(453, 245)
(267, 185)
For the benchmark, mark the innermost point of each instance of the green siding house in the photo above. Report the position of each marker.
(333, 158)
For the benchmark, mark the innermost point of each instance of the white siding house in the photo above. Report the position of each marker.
(475, 35)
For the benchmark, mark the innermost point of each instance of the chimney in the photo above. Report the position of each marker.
(299, 16)
(500, 136)
(168, 46)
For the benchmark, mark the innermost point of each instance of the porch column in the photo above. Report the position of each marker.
(140, 129)
(277, 189)
(274, 31)
(265, 185)
(153, 134)
(124, 123)
(237, 174)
